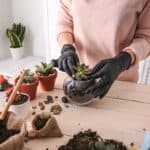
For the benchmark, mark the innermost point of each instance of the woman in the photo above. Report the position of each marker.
(111, 36)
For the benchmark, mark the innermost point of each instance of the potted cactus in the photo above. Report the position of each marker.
(29, 85)
(46, 75)
(16, 36)
(75, 87)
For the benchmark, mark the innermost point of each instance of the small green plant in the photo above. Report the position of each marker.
(29, 77)
(16, 35)
(44, 69)
(81, 72)
(100, 145)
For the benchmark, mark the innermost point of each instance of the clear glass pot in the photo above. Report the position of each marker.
(75, 91)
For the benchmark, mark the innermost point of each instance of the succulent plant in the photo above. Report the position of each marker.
(106, 145)
(44, 68)
(29, 77)
(81, 72)
(16, 35)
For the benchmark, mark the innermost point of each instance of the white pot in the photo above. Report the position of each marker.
(17, 53)
(2, 100)
(21, 110)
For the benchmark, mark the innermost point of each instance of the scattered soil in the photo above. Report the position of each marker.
(40, 123)
(42, 106)
(33, 113)
(49, 100)
(34, 107)
(20, 99)
(56, 109)
(118, 145)
(6, 133)
(64, 99)
(26, 139)
(81, 141)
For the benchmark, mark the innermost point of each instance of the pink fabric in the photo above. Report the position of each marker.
(103, 28)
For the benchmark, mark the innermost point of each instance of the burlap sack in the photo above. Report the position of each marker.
(15, 142)
(50, 129)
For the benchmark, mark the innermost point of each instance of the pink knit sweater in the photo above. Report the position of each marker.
(103, 28)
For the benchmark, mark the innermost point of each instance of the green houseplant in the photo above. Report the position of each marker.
(29, 85)
(75, 87)
(16, 35)
(46, 75)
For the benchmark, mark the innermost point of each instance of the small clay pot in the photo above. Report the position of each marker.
(47, 83)
(75, 91)
(29, 88)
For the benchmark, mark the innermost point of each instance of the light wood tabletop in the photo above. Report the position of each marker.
(124, 114)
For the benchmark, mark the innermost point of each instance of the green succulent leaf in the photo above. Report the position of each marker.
(81, 72)
(44, 68)
(16, 35)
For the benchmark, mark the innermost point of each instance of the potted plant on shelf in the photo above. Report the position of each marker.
(46, 75)
(75, 87)
(5, 86)
(16, 36)
(29, 85)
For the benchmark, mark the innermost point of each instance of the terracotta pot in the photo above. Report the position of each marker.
(30, 88)
(47, 83)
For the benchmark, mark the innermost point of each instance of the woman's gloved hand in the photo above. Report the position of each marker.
(68, 59)
(107, 71)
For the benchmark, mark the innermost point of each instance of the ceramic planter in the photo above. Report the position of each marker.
(75, 91)
(29, 88)
(47, 83)
(22, 109)
(17, 53)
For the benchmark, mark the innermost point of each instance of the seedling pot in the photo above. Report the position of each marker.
(47, 83)
(29, 88)
(14, 142)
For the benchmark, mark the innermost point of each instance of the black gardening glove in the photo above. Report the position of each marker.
(107, 72)
(68, 59)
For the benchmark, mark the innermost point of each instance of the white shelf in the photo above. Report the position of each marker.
(11, 67)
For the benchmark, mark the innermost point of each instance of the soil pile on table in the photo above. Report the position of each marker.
(90, 140)
(56, 109)
(81, 141)
(6, 133)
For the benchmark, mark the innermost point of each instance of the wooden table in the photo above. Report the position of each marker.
(124, 114)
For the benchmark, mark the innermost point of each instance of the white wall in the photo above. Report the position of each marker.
(31, 13)
(5, 21)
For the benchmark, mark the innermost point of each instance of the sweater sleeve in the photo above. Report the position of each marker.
(141, 42)
(64, 19)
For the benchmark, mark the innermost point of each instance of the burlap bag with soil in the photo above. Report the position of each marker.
(15, 142)
(50, 129)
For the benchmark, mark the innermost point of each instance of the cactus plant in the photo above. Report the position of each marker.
(16, 35)
(81, 72)
(29, 77)
(44, 69)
